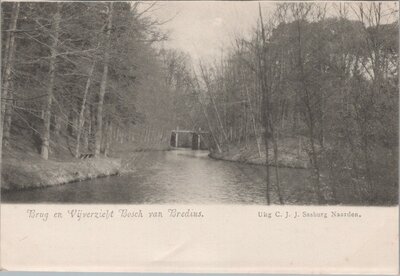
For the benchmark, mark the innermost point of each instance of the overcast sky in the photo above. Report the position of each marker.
(202, 28)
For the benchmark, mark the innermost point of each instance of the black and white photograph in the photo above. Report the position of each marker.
(239, 103)
(200, 137)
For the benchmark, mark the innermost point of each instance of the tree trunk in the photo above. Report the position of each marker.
(57, 124)
(214, 105)
(103, 84)
(50, 88)
(81, 118)
(86, 129)
(253, 120)
(276, 152)
(264, 103)
(208, 123)
(107, 138)
(7, 95)
(8, 118)
(311, 121)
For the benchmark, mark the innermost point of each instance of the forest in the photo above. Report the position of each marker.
(313, 85)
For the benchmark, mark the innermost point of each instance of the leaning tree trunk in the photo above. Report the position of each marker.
(50, 88)
(103, 85)
(214, 104)
(81, 120)
(216, 142)
(7, 95)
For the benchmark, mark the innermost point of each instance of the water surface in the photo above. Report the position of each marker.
(177, 177)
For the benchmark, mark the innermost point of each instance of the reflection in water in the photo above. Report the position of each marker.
(180, 176)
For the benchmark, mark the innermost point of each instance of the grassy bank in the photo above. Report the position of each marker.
(21, 174)
(22, 166)
(290, 155)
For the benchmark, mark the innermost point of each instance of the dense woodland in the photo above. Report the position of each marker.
(321, 77)
(74, 70)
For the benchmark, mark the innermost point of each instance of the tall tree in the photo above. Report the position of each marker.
(7, 93)
(265, 100)
(52, 75)
(103, 84)
(81, 119)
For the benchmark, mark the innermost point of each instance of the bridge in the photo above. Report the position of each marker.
(196, 140)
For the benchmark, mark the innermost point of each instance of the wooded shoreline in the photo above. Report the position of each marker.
(282, 163)
(290, 155)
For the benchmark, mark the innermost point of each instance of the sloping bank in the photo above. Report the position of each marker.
(21, 174)
(288, 157)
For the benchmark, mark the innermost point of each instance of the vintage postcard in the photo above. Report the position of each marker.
(200, 136)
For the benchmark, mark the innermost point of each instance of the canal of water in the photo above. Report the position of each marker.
(177, 177)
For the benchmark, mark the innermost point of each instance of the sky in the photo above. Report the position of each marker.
(203, 28)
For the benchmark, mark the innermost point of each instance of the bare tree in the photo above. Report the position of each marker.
(52, 74)
(207, 82)
(81, 120)
(103, 84)
(7, 93)
(265, 100)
